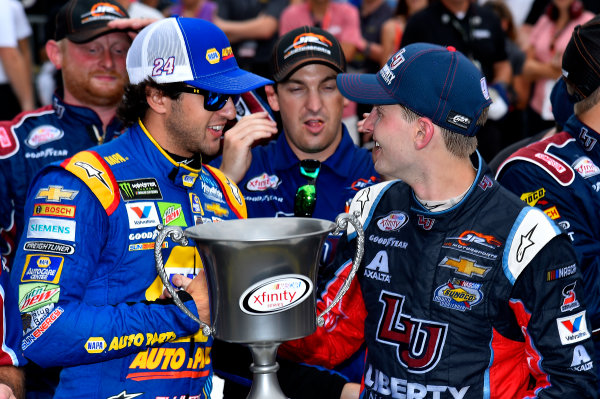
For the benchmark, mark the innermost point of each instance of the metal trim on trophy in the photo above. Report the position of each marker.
(261, 276)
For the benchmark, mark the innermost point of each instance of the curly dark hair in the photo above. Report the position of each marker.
(134, 104)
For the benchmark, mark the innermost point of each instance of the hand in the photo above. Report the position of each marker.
(351, 390)
(238, 142)
(6, 392)
(198, 289)
(134, 24)
(367, 134)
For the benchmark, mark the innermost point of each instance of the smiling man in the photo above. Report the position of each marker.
(91, 220)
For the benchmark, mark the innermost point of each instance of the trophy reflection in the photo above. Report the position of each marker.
(261, 276)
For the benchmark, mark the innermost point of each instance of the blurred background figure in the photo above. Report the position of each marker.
(203, 9)
(16, 77)
(547, 41)
(251, 27)
(393, 28)
(137, 9)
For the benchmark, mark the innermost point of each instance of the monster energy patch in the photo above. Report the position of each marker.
(140, 189)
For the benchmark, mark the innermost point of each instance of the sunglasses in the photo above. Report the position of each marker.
(212, 101)
(306, 196)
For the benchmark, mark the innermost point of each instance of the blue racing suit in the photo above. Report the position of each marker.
(32, 140)
(85, 272)
(561, 176)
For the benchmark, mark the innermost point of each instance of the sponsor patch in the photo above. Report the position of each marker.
(172, 214)
(397, 59)
(378, 269)
(484, 88)
(533, 197)
(195, 204)
(42, 135)
(263, 182)
(115, 158)
(387, 75)
(570, 301)
(561, 272)
(145, 235)
(51, 228)
(140, 189)
(30, 339)
(393, 221)
(55, 194)
(189, 180)
(34, 296)
(226, 53)
(212, 192)
(50, 247)
(95, 345)
(465, 267)
(572, 328)
(458, 295)
(216, 209)
(458, 120)
(581, 359)
(142, 246)
(67, 211)
(142, 214)
(586, 167)
(33, 319)
(552, 213)
(45, 268)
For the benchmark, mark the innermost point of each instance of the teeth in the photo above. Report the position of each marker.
(217, 128)
(377, 144)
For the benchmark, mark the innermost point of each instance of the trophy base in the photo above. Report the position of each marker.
(264, 370)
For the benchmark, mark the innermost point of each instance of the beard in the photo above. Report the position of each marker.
(93, 92)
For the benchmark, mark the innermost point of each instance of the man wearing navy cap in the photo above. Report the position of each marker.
(88, 288)
(561, 174)
(463, 288)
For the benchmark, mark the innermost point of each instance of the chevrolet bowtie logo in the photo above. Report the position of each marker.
(56, 194)
(465, 267)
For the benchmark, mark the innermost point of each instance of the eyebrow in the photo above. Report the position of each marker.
(300, 82)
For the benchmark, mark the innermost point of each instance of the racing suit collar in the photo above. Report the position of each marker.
(339, 162)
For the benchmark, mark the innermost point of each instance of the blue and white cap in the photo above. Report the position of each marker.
(437, 82)
(189, 50)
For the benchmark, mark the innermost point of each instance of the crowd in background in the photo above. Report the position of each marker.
(534, 34)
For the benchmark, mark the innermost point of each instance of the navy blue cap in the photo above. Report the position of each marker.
(437, 82)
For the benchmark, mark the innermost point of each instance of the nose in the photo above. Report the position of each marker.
(369, 124)
(313, 101)
(106, 59)
(228, 111)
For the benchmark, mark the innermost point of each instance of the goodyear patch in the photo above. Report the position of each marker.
(458, 295)
(34, 296)
(66, 211)
(95, 345)
(172, 214)
(46, 268)
(213, 56)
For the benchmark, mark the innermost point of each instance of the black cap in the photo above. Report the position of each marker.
(581, 59)
(81, 21)
(303, 46)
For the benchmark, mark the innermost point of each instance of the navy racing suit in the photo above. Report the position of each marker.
(88, 287)
(470, 302)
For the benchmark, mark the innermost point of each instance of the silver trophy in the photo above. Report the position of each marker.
(261, 276)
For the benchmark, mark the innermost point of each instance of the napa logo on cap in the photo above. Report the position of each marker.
(213, 56)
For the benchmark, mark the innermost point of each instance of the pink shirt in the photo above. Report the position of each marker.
(543, 35)
(341, 20)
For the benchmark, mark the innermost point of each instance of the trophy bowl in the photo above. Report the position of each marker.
(261, 276)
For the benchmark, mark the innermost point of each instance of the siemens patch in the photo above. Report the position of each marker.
(51, 228)
(45, 268)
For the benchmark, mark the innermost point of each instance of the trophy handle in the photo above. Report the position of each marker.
(176, 234)
(341, 224)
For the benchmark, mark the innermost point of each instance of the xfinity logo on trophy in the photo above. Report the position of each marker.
(275, 294)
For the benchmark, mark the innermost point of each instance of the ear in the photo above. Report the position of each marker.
(424, 132)
(54, 53)
(157, 100)
(272, 97)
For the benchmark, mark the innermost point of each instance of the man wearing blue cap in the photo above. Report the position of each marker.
(561, 174)
(463, 286)
(88, 289)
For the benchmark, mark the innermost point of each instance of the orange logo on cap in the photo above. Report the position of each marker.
(310, 38)
(100, 9)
